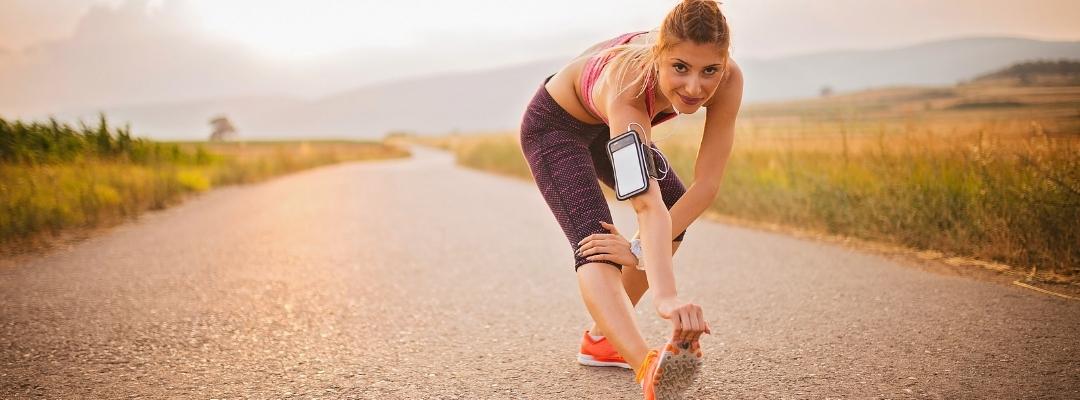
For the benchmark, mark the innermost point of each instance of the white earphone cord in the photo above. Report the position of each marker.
(667, 166)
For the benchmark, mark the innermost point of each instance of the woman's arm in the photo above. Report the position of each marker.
(654, 221)
(713, 153)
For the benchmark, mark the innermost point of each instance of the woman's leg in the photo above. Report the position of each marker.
(569, 185)
(557, 151)
(606, 300)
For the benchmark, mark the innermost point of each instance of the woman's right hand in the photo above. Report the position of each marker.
(686, 318)
(607, 246)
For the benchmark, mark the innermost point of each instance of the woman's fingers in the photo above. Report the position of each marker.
(703, 325)
(588, 245)
(599, 239)
(596, 251)
(687, 319)
(598, 257)
(688, 329)
(599, 246)
(597, 236)
(689, 323)
(699, 327)
(609, 227)
(592, 240)
(613, 233)
(589, 248)
(588, 239)
(677, 324)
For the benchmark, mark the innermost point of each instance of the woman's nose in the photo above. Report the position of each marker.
(693, 87)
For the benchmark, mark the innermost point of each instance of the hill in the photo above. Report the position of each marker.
(494, 99)
(1041, 72)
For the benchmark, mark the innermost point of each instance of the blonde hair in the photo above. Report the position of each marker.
(699, 21)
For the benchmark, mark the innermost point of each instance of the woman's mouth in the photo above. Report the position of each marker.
(691, 101)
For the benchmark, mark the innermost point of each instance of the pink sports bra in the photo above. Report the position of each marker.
(590, 73)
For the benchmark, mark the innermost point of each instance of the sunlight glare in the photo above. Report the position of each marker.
(298, 31)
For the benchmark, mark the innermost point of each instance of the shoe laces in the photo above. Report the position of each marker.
(640, 376)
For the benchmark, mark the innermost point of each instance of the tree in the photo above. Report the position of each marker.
(223, 129)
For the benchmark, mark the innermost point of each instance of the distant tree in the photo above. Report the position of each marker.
(222, 129)
(826, 91)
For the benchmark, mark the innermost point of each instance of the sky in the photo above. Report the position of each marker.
(298, 31)
(58, 55)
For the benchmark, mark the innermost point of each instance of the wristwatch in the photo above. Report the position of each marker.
(635, 247)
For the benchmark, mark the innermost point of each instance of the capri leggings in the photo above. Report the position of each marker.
(567, 157)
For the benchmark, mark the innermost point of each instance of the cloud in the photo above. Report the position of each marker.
(124, 55)
(135, 17)
(139, 53)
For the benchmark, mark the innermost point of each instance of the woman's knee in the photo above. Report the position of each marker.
(595, 277)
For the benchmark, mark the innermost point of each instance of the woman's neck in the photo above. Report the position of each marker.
(660, 102)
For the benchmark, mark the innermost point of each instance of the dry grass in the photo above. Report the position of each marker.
(43, 201)
(998, 181)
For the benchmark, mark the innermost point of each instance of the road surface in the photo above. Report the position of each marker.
(418, 279)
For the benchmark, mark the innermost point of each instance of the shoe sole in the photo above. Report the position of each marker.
(678, 368)
(585, 359)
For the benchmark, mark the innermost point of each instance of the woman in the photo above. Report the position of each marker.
(638, 79)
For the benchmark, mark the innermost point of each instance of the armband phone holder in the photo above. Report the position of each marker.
(631, 163)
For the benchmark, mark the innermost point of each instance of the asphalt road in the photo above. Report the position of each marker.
(419, 279)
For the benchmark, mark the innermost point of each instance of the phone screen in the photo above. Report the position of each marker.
(628, 173)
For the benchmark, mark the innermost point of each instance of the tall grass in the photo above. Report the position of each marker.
(48, 143)
(55, 177)
(1006, 191)
(489, 152)
(993, 194)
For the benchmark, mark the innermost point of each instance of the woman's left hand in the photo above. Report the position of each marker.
(607, 246)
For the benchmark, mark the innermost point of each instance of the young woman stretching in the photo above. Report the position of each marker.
(639, 79)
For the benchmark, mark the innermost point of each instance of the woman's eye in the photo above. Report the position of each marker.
(710, 70)
(680, 68)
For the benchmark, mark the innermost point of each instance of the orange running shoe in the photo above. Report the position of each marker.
(599, 353)
(665, 375)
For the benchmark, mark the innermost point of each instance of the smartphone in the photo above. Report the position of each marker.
(628, 160)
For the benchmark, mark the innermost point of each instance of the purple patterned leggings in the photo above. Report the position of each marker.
(567, 157)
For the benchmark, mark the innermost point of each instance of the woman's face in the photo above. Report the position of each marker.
(689, 74)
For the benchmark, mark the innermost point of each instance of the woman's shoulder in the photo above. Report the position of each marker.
(735, 73)
(730, 86)
(643, 36)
